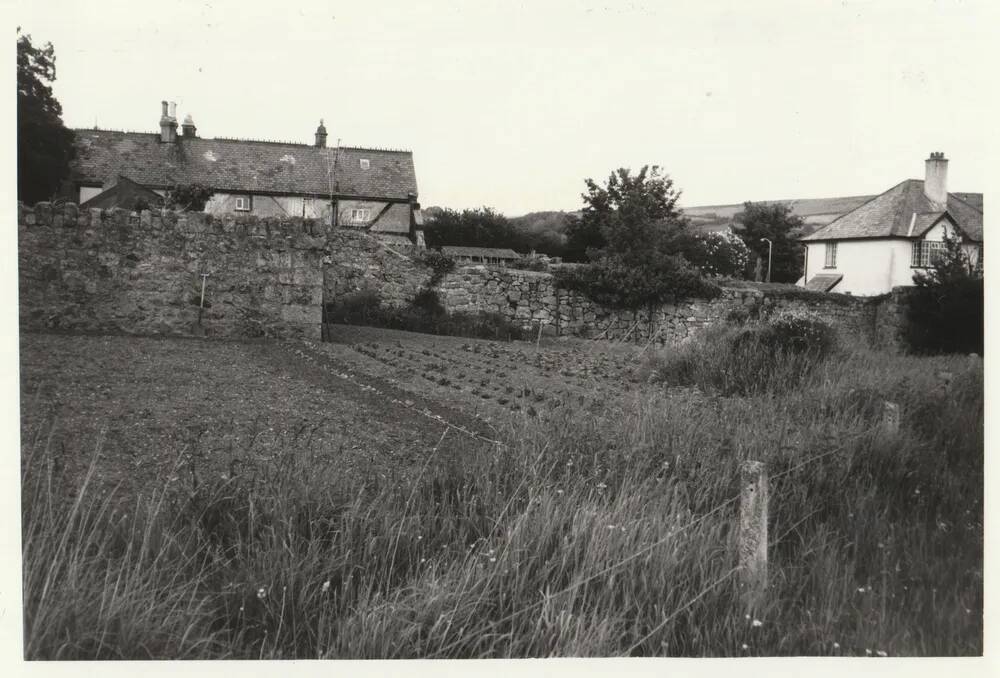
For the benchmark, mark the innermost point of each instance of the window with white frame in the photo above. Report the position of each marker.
(926, 252)
(365, 164)
(243, 203)
(360, 215)
(831, 255)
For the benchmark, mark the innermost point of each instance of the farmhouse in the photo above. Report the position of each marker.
(881, 243)
(480, 255)
(366, 188)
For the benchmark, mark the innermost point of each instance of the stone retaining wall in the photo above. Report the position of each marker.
(532, 300)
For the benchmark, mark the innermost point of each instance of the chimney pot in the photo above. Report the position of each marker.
(188, 127)
(936, 179)
(168, 125)
(321, 135)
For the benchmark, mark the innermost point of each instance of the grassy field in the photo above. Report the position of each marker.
(393, 495)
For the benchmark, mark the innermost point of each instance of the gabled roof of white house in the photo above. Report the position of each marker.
(242, 165)
(905, 212)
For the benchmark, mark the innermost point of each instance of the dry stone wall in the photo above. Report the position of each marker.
(532, 300)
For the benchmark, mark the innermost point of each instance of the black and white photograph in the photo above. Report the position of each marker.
(609, 333)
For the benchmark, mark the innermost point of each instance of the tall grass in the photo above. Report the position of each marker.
(584, 535)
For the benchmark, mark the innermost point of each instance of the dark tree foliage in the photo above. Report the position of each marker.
(44, 144)
(944, 311)
(634, 236)
(629, 216)
(189, 197)
(776, 222)
(483, 227)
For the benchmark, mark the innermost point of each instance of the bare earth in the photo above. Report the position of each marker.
(373, 401)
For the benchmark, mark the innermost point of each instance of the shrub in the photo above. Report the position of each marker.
(718, 254)
(613, 282)
(767, 357)
(424, 314)
(358, 308)
(440, 264)
(944, 311)
(192, 197)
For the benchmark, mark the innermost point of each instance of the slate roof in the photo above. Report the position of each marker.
(904, 212)
(125, 193)
(236, 165)
(824, 282)
(394, 219)
(495, 252)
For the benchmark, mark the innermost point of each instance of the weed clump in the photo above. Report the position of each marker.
(771, 356)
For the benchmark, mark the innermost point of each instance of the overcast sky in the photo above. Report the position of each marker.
(512, 105)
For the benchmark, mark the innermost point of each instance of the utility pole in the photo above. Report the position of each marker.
(770, 246)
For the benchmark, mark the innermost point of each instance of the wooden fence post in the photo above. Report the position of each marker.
(890, 418)
(753, 533)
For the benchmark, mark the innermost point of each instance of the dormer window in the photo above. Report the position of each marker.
(365, 164)
(243, 203)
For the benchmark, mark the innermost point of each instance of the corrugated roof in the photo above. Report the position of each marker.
(901, 212)
(495, 252)
(242, 165)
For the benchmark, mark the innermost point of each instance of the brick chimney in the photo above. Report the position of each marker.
(936, 178)
(188, 128)
(168, 124)
(321, 135)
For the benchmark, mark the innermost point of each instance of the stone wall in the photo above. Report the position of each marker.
(532, 300)
(114, 270)
(357, 261)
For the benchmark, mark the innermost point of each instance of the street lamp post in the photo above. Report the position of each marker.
(770, 246)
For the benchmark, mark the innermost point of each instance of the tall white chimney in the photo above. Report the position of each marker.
(936, 179)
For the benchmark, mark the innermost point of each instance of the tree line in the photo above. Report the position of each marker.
(634, 207)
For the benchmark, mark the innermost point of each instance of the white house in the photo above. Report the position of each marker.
(883, 242)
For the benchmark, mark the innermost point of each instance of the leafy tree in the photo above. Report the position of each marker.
(483, 227)
(776, 222)
(632, 216)
(44, 144)
(718, 253)
(635, 236)
(189, 197)
(944, 311)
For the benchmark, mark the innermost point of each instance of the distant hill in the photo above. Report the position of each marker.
(816, 212)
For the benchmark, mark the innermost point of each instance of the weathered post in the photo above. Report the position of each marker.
(753, 533)
(890, 418)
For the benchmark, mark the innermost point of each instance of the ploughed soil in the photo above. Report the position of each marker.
(370, 405)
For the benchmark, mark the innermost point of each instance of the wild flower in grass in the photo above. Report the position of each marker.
(326, 586)
(756, 623)
(745, 646)
(602, 486)
(861, 589)
(868, 652)
(559, 491)
(262, 593)
(836, 646)
(880, 653)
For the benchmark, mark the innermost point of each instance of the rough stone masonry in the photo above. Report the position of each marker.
(120, 271)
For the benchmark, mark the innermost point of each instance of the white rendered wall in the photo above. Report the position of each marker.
(874, 266)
